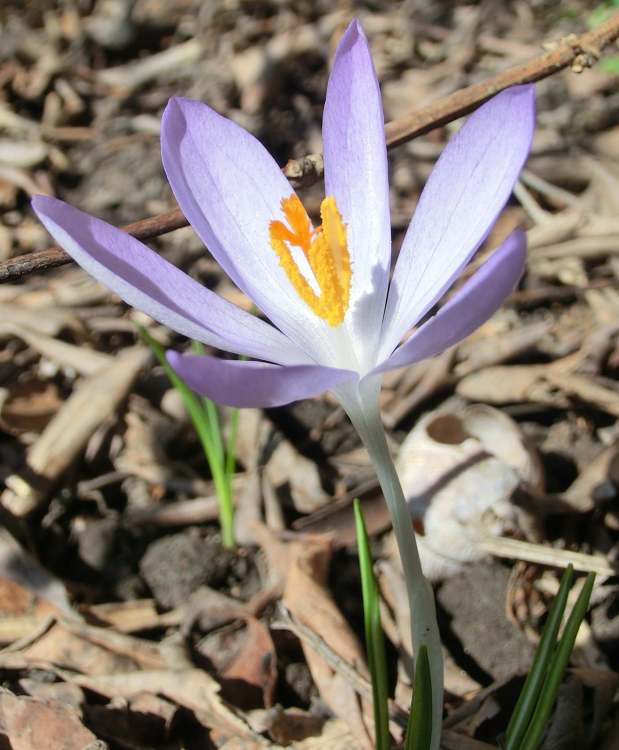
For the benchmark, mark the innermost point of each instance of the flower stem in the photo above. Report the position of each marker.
(363, 409)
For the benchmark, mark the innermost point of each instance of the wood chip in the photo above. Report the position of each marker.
(66, 435)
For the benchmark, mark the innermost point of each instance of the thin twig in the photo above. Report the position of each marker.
(145, 229)
(579, 52)
(361, 685)
(348, 671)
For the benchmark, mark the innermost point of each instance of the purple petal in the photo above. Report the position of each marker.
(253, 384)
(355, 157)
(465, 193)
(475, 302)
(230, 189)
(145, 280)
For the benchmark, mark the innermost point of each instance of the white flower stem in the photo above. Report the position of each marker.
(363, 409)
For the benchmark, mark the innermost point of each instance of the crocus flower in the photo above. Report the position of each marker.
(335, 317)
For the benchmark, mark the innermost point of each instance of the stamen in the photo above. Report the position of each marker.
(296, 215)
(326, 252)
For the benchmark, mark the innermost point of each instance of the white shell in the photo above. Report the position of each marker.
(458, 473)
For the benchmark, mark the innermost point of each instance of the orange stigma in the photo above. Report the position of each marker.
(326, 251)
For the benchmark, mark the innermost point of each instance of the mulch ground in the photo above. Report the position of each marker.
(124, 623)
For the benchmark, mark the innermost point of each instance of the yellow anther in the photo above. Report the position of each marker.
(300, 233)
(326, 251)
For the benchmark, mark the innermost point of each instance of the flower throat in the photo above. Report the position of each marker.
(326, 251)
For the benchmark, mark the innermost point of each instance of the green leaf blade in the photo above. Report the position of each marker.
(557, 669)
(529, 694)
(209, 433)
(419, 730)
(374, 639)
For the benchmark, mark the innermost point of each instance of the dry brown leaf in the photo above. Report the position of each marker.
(299, 569)
(18, 566)
(33, 724)
(191, 688)
(29, 406)
(15, 600)
(256, 661)
(309, 601)
(59, 647)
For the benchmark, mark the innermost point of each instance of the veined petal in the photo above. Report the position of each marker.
(355, 158)
(145, 280)
(230, 189)
(470, 307)
(465, 193)
(246, 383)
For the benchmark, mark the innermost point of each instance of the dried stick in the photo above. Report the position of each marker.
(145, 229)
(579, 52)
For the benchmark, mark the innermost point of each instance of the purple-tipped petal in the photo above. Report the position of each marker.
(253, 384)
(147, 281)
(469, 308)
(355, 158)
(230, 189)
(465, 193)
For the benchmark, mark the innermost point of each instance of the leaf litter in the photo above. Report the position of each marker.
(261, 647)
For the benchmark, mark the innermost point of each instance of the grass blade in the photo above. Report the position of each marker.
(208, 436)
(529, 694)
(419, 730)
(212, 415)
(230, 462)
(226, 454)
(374, 640)
(557, 669)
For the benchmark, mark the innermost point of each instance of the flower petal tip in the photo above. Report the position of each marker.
(45, 206)
(521, 96)
(352, 35)
(355, 25)
(173, 111)
(178, 112)
(39, 202)
(173, 358)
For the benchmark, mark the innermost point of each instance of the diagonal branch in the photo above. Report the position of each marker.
(577, 52)
(43, 260)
